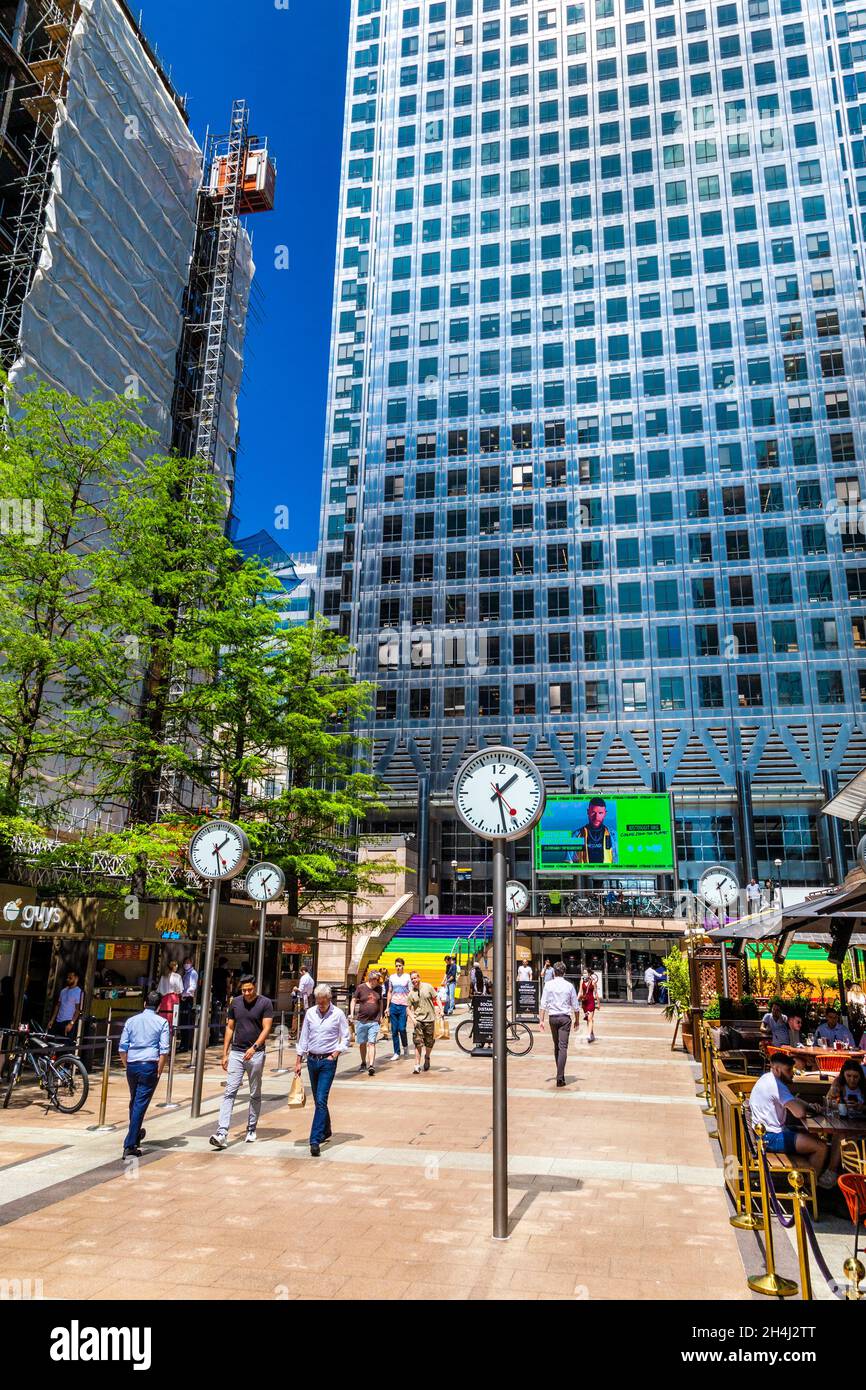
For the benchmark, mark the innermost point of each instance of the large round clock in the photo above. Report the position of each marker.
(265, 882)
(718, 887)
(516, 897)
(219, 850)
(499, 793)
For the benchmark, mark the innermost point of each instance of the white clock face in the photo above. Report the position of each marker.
(719, 887)
(499, 794)
(516, 896)
(265, 882)
(219, 850)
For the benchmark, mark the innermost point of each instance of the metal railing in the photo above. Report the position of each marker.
(553, 904)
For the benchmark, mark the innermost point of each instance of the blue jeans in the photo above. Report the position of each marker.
(141, 1077)
(398, 1028)
(452, 991)
(321, 1071)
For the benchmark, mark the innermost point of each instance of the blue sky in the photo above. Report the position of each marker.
(289, 64)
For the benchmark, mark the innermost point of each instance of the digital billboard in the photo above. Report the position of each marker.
(606, 832)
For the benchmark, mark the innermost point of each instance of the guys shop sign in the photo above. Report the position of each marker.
(33, 916)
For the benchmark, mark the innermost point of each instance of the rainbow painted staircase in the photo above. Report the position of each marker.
(424, 942)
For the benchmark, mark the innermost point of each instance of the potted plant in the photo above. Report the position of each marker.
(679, 995)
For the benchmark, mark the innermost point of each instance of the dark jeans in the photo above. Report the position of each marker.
(321, 1072)
(141, 1078)
(398, 1028)
(560, 1028)
(185, 1025)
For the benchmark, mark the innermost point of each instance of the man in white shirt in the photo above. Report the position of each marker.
(831, 1031)
(306, 985)
(775, 1027)
(524, 971)
(650, 980)
(324, 1035)
(773, 1104)
(753, 895)
(559, 1006)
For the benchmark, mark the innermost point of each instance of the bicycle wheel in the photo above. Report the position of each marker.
(463, 1035)
(14, 1073)
(68, 1084)
(519, 1040)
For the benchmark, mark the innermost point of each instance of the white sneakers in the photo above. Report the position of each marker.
(251, 1137)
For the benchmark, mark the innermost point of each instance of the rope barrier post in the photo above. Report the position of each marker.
(106, 1072)
(798, 1183)
(769, 1283)
(854, 1273)
(745, 1219)
(279, 1069)
(168, 1103)
(190, 1066)
(714, 1094)
(705, 1079)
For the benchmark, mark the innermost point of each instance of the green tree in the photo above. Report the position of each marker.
(65, 604)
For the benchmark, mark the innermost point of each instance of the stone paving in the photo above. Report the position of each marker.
(613, 1187)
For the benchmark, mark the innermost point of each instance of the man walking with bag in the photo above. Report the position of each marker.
(559, 1004)
(250, 1020)
(423, 1004)
(324, 1035)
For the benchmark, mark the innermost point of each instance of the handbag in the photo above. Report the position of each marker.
(297, 1094)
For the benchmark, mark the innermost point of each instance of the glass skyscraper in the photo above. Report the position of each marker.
(595, 438)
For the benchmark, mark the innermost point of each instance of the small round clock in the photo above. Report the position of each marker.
(499, 793)
(218, 851)
(265, 882)
(516, 896)
(718, 887)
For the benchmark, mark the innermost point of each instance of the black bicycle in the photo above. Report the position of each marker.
(61, 1074)
(519, 1039)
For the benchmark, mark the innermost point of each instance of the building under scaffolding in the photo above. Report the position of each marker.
(124, 265)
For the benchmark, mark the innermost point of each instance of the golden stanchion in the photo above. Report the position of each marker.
(714, 1090)
(770, 1283)
(745, 1219)
(705, 1081)
(854, 1273)
(798, 1182)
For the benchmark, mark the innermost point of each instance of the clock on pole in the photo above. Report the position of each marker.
(719, 888)
(218, 851)
(264, 884)
(499, 794)
(516, 897)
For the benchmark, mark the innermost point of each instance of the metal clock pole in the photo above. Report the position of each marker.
(260, 965)
(205, 1012)
(500, 1053)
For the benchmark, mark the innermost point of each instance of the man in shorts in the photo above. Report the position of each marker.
(423, 1002)
(773, 1105)
(367, 1013)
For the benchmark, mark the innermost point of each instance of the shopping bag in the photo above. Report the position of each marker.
(438, 1028)
(297, 1094)
(446, 1027)
(386, 1028)
(351, 1030)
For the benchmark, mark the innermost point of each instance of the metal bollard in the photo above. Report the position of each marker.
(855, 1274)
(798, 1182)
(769, 1283)
(279, 1069)
(168, 1103)
(190, 1066)
(745, 1220)
(106, 1072)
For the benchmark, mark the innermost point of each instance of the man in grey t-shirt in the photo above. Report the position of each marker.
(250, 1020)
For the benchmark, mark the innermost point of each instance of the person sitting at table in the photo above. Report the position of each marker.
(848, 1091)
(832, 1031)
(774, 1027)
(774, 1105)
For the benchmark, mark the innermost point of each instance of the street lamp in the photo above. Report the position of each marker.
(778, 864)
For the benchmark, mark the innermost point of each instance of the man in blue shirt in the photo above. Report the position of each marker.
(144, 1045)
(832, 1031)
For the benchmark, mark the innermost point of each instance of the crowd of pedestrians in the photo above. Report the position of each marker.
(383, 1007)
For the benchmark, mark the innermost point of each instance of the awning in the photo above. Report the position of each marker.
(850, 802)
(814, 915)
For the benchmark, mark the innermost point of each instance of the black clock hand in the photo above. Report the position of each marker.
(502, 814)
(500, 790)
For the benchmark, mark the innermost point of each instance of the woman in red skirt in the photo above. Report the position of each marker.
(170, 988)
(588, 1001)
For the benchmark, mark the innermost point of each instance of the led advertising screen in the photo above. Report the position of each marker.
(601, 833)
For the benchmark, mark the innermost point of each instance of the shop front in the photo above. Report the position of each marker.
(619, 959)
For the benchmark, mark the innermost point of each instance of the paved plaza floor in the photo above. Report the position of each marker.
(614, 1189)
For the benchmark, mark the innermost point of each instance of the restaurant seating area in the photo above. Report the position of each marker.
(733, 1056)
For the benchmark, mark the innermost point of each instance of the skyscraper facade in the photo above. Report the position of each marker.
(595, 438)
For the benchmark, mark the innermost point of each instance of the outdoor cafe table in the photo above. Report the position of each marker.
(829, 1122)
(808, 1055)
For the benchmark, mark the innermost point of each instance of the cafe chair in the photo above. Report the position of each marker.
(853, 1189)
(853, 1155)
(830, 1063)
